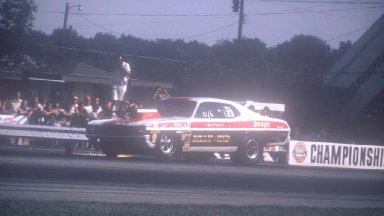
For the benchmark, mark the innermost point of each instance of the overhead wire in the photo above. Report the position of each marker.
(146, 23)
(104, 52)
(179, 61)
(311, 11)
(130, 23)
(330, 2)
(323, 12)
(192, 36)
(215, 15)
(100, 26)
(141, 15)
(209, 32)
(298, 11)
(82, 15)
(348, 33)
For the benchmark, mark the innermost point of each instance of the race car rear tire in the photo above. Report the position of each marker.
(166, 147)
(249, 152)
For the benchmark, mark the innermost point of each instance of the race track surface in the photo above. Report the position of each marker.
(49, 174)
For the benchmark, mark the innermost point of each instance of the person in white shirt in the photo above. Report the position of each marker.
(88, 104)
(120, 81)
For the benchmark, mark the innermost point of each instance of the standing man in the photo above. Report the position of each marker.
(16, 103)
(120, 80)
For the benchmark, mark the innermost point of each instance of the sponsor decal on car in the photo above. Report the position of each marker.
(241, 125)
(261, 124)
(210, 138)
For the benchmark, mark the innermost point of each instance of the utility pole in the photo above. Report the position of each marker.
(238, 7)
(67, 8)
(241, 20)
(66, 15)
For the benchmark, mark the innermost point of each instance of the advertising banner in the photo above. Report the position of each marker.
(10, 119)
(322, 154)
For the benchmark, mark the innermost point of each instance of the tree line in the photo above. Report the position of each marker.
(241, 61)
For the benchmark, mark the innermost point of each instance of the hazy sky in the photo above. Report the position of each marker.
(208, 21)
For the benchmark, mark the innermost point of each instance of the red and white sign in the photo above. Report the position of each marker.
(10, 119)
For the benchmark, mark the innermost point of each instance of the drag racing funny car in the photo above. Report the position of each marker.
(192, 128)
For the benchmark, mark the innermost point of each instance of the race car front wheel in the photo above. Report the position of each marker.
(250, 152)
(166, 147)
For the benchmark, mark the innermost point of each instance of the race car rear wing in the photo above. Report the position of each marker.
(259, 106)
(266, 109)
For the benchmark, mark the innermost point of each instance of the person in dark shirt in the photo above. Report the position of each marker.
(36, 112)
(107, 111)
(83, 115)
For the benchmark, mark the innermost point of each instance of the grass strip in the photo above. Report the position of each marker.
(61, 208)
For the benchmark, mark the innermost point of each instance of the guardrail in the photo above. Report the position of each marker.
(45, 132)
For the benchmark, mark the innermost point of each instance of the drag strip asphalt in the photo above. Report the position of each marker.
(51, 175)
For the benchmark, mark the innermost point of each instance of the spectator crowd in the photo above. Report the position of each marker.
(53, 113)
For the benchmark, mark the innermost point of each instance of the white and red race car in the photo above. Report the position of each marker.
(192, 128)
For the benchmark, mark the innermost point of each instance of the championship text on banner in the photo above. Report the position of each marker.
(321, 154)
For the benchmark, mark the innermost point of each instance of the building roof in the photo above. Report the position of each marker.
(75, 72)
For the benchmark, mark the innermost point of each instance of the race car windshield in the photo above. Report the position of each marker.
(176, 108)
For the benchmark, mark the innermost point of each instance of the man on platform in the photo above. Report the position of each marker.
(120, 80)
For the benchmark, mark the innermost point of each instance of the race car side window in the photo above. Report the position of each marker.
(205, 110)
(216, 110)
(230, 111)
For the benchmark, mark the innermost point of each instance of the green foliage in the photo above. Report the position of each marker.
(302, 54)
(16, 17)
(245, 61)
(245, 53)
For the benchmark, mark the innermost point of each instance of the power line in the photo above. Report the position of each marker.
(311, 11)
(328, 2)
(141, 23)
(141, 15)
(295, 8)
(323, 5)
(192, 36)
(348, 33)
(216, 15)
(250, 14)
(183, 61)
(108, 53)
(100, 26)
(123, 24)
(209, 32)
(82, 15)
